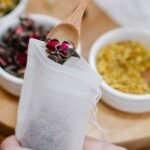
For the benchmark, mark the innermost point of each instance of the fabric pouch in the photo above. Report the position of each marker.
(55, 101)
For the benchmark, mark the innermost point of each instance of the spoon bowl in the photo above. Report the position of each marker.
(65, 32)
(69, 29)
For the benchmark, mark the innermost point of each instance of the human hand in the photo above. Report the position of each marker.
(11, 143)
(94, 144)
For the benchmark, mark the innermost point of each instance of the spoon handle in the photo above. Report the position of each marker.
(76, 17)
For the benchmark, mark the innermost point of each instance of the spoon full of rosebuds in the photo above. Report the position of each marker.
(63, 39)
(60, 52)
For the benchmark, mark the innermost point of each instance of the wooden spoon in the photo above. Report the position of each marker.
(69, 29)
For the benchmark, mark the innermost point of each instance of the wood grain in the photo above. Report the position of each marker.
(129, 130)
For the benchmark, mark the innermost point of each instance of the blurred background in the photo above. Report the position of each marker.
(126, 129)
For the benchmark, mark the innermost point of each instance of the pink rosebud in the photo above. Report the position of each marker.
(65, 45)
(51, 44)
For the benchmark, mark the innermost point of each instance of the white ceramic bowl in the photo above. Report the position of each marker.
(16, 12)
(9, 82)
(119, 100)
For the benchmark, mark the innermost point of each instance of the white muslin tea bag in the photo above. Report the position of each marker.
(55, 101)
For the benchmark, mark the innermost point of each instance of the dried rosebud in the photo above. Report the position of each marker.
(21, 59)
(66, 45)
(63, 52)
(60, 52)
(19, 30)
(66, 49)
(34, 36)
(27, 23)
(3, 61)
(25, 38)
(13, 55)
(51, 44)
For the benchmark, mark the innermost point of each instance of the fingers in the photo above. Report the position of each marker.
(113, 147)
(94, 144)
(10, 143)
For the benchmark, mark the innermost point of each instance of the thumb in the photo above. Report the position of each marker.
(11, 143)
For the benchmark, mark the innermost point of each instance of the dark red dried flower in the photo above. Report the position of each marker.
(13, 55)
(60, 51)
(21, 59)
(51, 44)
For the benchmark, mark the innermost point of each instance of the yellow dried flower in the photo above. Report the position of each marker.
(121, 65)
(7, 5)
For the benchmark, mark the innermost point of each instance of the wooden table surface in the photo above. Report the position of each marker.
(129, 130)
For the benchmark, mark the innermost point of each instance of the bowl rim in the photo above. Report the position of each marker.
(16, 11)
(92, 57)
(51, 19)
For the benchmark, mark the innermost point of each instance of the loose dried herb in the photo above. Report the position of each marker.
(6, 6)
(14, 45)
(122, 64)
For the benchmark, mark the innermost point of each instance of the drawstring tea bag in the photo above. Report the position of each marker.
(56, 101)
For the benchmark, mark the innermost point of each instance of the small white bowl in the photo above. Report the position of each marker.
(9, 82)
(17, 11)
(125, 102)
